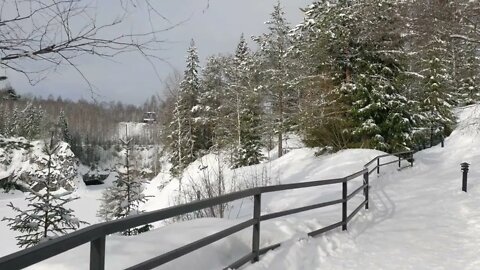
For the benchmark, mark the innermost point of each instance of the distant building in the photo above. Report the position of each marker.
(8, 94)
(149, 117)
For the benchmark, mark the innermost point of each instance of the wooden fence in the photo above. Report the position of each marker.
(96, 234)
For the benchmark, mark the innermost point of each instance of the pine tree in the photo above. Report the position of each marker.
(63, 125)
(3, 120)
(435, 60)
(46, 216)
(186, 141)
(245, 111)
(465, 70)
(124, 198)
(31, 122)
(248, 151)
(437, 67)
(325, 45)
(437, 94)
(365, 60)
(213, 102)
(278, 76)
(11, 127)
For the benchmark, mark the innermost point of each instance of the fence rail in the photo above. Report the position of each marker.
(96, 234)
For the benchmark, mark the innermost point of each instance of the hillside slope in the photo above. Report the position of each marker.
(298, 165)
(417, 218)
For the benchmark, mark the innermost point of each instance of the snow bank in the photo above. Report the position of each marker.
(418, 217)
(23, 161)
(297, 165)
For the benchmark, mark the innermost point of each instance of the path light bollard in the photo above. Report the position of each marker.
(378, 165)
(464, 167)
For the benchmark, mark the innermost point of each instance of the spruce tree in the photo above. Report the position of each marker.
(213, 104)
(63, 125)
(278, 75)
(186, 141)
(31, 121)
(466, 67)
(46, 216)
(325, 41)
(12, 125)
(365, 60)
(436, 60)
(246, 110)
(437, 94)
(124, 198)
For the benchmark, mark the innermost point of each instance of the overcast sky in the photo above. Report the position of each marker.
(131, 79)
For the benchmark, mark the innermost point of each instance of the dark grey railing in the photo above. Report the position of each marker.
(96, 234)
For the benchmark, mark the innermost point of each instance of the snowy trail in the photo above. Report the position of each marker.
(418, 219)
(401, 231)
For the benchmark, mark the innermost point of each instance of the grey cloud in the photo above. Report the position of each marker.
(131, 79)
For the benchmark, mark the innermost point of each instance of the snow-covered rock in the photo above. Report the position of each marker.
(22, 162)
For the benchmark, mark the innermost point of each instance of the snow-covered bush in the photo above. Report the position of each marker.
(212, 176)
(208, 182)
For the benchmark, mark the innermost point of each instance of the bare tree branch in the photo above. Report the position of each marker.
(51, 33)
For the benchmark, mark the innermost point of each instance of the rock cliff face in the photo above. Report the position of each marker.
(23, 164)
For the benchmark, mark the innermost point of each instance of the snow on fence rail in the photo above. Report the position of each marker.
(96, 234)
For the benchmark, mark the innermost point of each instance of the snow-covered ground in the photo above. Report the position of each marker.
(418, 217)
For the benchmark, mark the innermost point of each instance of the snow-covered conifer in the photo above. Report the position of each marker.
(437, 94)
(31, 121)
(365, 61)
(46, 215)
(245, 112)
(213, 105)
(185, 129)
(125, 196)
(279, 79)
(63, 125)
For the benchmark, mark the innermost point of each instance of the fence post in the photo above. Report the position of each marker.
(399, 161)
(365, 190)
(344, 204)
(256, 227)
(411, 158)
(464, 167)
(97, 254)
(378, 165)
(443, 141)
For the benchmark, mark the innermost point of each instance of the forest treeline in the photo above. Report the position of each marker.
(85, 124)
(379, 74)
